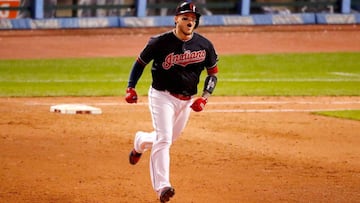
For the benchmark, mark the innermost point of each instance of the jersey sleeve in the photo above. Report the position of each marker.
(148, 53)
(212, 59)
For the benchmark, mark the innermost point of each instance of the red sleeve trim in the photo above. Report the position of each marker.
(212, 71)
(139, 60)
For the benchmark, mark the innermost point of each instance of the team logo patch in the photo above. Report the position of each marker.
(184, 59)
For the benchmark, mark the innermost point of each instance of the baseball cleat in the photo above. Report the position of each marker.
(166, 194)
(134, 157)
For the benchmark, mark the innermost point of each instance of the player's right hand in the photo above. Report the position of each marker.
(131, 96)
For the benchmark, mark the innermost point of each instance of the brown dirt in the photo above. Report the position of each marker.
(240, 149)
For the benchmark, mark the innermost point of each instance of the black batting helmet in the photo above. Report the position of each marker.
(188, 7)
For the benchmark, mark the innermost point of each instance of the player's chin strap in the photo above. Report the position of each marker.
(210, 83)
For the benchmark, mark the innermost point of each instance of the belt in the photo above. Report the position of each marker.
(181, 96)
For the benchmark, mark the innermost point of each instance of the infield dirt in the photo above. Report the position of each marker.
(240, 149)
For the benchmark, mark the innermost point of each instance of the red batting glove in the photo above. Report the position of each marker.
(199, 104)
(131, 96)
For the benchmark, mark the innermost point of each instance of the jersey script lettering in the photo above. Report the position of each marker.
(184, 59)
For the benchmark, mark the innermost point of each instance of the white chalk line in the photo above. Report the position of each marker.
(292, 80)
(283, 102)
(346, 79)
(273, 110)
(239, 110)
(345, 74)
(216, 103)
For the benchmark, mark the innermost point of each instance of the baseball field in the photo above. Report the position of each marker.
(264, 136)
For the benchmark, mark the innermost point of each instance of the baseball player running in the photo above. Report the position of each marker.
(179, 56)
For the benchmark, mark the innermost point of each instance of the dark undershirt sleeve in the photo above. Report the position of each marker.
(136, 72)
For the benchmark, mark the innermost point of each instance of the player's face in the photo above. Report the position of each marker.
(185, 23)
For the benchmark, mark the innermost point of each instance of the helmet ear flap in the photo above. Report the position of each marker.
(197, 21)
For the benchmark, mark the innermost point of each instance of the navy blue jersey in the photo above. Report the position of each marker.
(177, 64)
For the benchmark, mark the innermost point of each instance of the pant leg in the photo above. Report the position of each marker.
(181, 118)
(144, 141)
(162, 111)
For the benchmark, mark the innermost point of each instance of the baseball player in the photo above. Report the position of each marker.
(179, 56)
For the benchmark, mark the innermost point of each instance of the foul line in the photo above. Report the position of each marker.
(354, 78)
(345, 74)
(238, 110)
(272, 110)
(210, 103)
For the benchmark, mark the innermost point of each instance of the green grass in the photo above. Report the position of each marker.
(64, 77)
(320, 74)
(349, 114)
(330, 74)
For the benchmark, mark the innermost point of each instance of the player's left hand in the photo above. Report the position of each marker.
(199, 104)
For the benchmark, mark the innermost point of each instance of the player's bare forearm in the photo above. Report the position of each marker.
(206, 94)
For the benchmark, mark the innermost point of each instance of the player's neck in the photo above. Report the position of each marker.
(182, 36)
